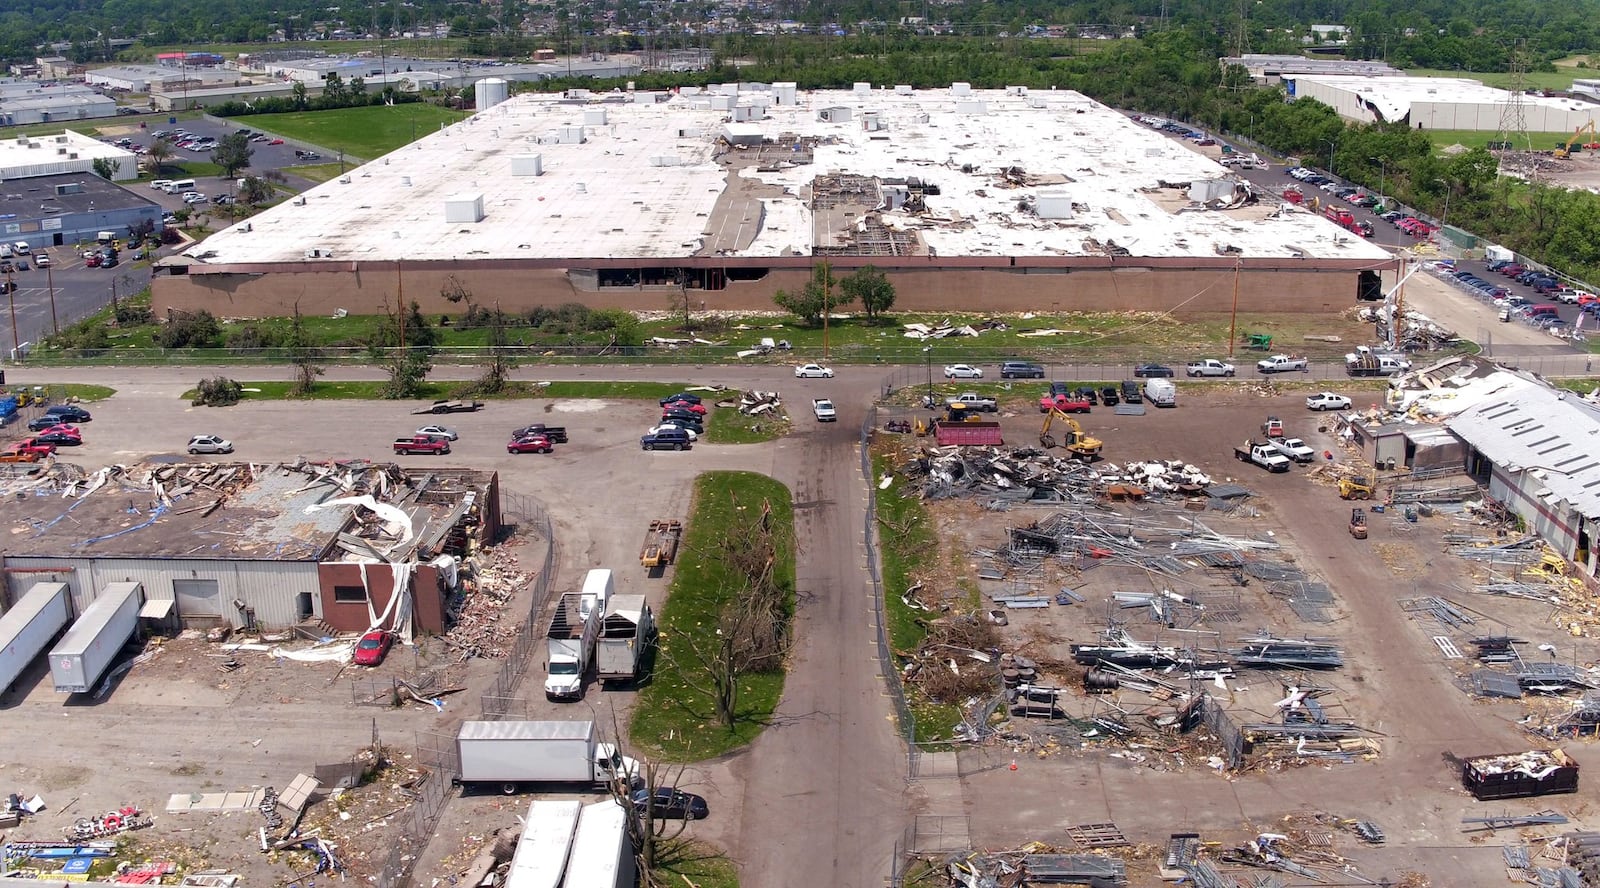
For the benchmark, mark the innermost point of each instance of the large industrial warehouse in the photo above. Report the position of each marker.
(1436, 103)
(999, 199)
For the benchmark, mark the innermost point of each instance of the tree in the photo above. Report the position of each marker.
(816, 298)
(869, 285)
(185, 330)
(333, 89)
(304, 356)
(358, 89)
(255, 191)
(105, 168)
(298, 94)
(408, 369)
(232, 154)
(159, 152)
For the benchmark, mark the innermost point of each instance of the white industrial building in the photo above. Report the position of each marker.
(24, 157)
(1588, 90)
(409, 74)
(210, 97)
(29, 101)
(1435, 103)
(1271, 69)
(145, 78)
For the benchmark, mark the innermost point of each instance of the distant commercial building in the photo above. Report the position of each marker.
(1270, 69)
(29, 101)
(1588, 90)
(1435, 103)
(24, 157)
(58, 68)
(185, 100)
(437, 73)
(53, 211)
(148, 78)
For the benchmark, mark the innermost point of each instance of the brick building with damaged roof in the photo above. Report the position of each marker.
(252, 545)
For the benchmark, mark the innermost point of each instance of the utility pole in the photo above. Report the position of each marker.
(1233, 322)
(400, 309)
(16, 337)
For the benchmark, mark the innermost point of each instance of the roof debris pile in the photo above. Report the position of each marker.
(755, 403)
(477, 617)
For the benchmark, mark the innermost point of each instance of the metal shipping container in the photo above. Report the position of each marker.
(541, 853)
(602, 853)
(94, 641)
(29, 627)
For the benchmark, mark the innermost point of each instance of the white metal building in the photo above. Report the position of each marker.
(134, 78)
(29, 101)
(1535, 449)
(23, 157)
(1271, 69)
(1435, 103)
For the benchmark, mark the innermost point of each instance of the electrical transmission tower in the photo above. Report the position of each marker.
(1515, 146)
(1241, 40)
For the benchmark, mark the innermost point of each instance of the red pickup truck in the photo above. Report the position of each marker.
(1064, 403)
(26, 450)
(421, 444)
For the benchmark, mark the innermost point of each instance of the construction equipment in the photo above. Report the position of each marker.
(660, 544)
(1273, 427)
(1358, 523)
(959, 412)
(1565, 149)
(1351, 489)
(1258, 341)
(1081, 446)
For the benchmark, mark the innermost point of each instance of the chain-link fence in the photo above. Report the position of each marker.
(530, 517)
(886, 661)
(1216, 718)
(429, 796)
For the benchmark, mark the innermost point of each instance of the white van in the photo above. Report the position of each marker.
(179, 186)
(160, 184)
(21, 248)
(1161, 392)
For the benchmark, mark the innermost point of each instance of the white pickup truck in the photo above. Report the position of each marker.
(1283, 364)
(1294, 449)
(1208, 367)
(974, 401)
(1264, 455)
(823, 408)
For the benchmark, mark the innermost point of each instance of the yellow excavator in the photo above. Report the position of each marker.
(1081, 446)
(1565, 149)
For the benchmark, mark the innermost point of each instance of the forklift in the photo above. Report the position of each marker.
(1358, 523)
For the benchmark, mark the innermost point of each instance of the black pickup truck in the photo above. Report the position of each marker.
(556, 434)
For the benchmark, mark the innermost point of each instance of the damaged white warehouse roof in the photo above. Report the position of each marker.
(953, 172)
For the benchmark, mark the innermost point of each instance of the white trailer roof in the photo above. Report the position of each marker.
(541, 855)
(526, 730)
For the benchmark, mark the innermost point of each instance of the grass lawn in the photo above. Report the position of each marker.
(366, 133)
(318, 172)
(1560, 79)
(675, 717)
(726, 425)
(906, 536)
(58, 392)
(687, 862)
(1481, 139)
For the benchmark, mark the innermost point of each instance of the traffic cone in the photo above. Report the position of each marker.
(1013, 764)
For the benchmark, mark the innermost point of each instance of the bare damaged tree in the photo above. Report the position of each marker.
(648, 833)
(752, 632)
(304, 356)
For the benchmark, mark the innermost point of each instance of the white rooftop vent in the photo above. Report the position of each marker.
(1016, 90)
(344, 180)
(463, 208)
(1053, 205)
(527, 165)
(862, 89)
(961, 88)
(903, 89)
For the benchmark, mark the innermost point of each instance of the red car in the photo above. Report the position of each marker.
(275, 142)
(373, 647)
(93, 261)
(692, 406)
(530, 444)
(64, 429)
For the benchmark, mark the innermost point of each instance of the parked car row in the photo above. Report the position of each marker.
(682, 421)
(1516, 306)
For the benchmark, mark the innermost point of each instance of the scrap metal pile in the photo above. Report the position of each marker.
(1030, 474)
(755, 403)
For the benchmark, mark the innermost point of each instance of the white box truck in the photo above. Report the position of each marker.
(602, 853)
(546, 842)
(90, 646)
(29, 627)
(570, 643)
(598, 587)
(626, 633)
(510, 753)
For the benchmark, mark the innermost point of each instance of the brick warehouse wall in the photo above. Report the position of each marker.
(351, 616)
(364, 289)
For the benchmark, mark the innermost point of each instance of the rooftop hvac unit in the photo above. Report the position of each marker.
(61, 151)
(961, 88)
(344, 180)
(527, 165)
(316, 253)
(834, 115)
(903, 89)
(971, 107)
(594, 117)
(464, 208)
(1016, 90)
(570, 135)
(784, 93)
(862, 89)
(1053, 205)
(723, 102)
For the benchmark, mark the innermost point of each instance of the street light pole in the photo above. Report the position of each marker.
(1383, 171)
(927, 356)
(50, 274)
(1333, 148)
(16, 338)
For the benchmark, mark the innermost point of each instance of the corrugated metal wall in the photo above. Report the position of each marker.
(1556, 524)
(272, 588)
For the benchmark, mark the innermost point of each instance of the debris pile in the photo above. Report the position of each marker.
(1039, 865)
(1033, 475)
(477, 618)
(947, 329)
(755, 403)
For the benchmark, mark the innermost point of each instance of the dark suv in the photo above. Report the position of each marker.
(1021, 370)
(1131, 393)
(666, 439)
(68, 413)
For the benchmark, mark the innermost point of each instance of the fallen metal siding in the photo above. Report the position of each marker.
(270, 587)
